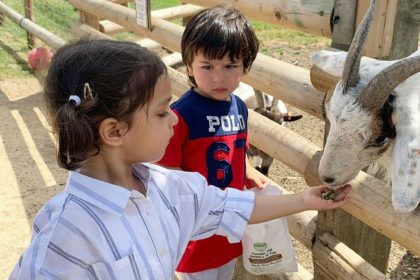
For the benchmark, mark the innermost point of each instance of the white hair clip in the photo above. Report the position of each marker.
(87, 92)
(75, 99)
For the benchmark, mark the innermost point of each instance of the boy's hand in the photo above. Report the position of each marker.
(312, 198)
(255, 179)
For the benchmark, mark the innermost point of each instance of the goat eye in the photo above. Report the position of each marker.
(379, 142)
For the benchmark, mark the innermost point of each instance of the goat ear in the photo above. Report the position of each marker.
(330, 62)
(406, 163)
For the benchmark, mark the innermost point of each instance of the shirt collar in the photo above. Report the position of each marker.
(107, 196)
(142, 171)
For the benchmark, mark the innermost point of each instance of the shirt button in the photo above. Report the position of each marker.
(162, 252)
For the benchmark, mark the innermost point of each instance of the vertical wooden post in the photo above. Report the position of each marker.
(342, 23)
(1, 17)
(395, 31)
(89, 19)
(406, 29)
(29, 15)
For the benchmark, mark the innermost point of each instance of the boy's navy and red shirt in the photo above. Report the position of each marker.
(210, 138)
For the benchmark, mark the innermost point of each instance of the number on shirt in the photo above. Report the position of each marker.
(219, 170)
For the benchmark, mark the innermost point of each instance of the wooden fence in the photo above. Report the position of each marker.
(370, 202)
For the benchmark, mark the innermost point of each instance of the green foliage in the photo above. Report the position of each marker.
(57, 16)
(268, 32)
(159, 4)
(13, 50)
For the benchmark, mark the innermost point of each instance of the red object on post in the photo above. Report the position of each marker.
(39, 58)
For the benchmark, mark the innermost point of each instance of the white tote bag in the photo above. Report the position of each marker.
(267, 247)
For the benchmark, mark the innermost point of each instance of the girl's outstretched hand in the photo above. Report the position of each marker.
(269, 207)
(313, 197)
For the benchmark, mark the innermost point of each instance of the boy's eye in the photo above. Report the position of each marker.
(232, 66)
(164, 114)
(206, 67)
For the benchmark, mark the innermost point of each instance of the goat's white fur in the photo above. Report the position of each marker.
(345, 153)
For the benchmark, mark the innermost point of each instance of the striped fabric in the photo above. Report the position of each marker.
(97, 230)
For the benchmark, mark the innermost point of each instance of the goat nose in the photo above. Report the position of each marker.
(328, 180)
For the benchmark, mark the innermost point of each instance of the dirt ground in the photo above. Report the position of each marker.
(29, 174)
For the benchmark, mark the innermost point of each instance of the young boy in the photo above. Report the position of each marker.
(218, 48)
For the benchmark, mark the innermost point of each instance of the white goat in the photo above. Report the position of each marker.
(374, 118)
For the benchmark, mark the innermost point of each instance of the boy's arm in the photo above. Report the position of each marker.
(253, 178)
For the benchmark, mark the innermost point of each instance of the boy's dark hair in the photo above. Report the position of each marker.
(112, 79)
(217, 31)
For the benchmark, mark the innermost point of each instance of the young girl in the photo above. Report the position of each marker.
(120, 217)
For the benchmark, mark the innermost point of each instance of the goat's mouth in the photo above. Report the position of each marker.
(337, 181)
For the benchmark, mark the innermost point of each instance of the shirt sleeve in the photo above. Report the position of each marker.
(173, 153)
(223, 212)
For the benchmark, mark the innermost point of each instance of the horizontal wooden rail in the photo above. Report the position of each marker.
(322, 80)
(80, 29)
(340, 262)
(121, 1)
(177, 12)
(308, 16)
(109, 27)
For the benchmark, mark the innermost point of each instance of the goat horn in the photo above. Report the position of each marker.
(351, 66)
(375, 94)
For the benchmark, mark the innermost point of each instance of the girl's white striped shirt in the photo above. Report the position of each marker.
(97, 230)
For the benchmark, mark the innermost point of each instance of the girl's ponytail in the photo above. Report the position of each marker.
(75, 135)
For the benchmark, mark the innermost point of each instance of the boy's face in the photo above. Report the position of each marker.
(216, 78)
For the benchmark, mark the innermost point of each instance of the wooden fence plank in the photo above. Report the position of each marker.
(308, 16)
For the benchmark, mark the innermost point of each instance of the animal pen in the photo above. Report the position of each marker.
(343, 247)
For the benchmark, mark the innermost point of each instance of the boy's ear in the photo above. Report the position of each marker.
(190, 71)
(111, 132)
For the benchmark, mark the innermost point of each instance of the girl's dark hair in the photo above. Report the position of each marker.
(111, 78)
(217, 31)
